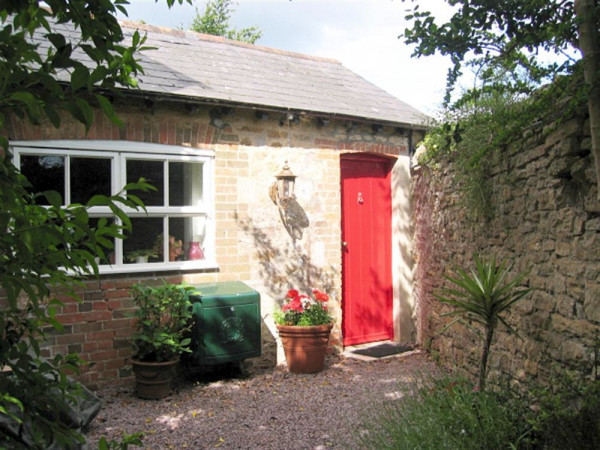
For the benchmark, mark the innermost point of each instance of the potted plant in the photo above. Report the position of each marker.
(304, 325)
(141, 256)
(164, 318)
(175, 247)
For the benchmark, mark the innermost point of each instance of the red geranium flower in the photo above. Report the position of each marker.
(300, 309)
(295, 304)
(320, 296)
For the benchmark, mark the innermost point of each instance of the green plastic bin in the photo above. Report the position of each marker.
(227, 323)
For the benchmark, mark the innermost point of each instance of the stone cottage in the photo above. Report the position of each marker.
(212, 125)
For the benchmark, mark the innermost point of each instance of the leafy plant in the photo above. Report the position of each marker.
(566, 412)
(148, 253)
(163, 318)
(481, 296)
(302, 310)
(448, 413)
(44, 250)
(470, 137)
(175, 247)
(127, 440)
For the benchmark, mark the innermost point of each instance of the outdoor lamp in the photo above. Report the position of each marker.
(285, 182)
(283, 189)
(292, 214)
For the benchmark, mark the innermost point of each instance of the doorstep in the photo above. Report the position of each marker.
(350, 351)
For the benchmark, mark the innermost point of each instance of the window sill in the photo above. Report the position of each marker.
(204, 264)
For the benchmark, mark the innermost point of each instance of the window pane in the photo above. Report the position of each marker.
(153, 172)
(89, 176)
(188, 234)
(175, 245)
(144, 241)
(45, 173)
(185, 184)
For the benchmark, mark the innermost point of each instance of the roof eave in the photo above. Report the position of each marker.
(270, 108)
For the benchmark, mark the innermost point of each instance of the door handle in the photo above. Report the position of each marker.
(344, 244)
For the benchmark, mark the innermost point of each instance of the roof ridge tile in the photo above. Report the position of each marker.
(220, 39)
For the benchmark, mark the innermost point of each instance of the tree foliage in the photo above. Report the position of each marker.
(45, 254)
(511, 43)
(215, 21)
(47, 251)
(510, 34)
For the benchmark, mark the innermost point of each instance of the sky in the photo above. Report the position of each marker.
(361, 34)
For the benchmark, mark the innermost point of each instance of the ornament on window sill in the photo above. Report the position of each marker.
(195, 252)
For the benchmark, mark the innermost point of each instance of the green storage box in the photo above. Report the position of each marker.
(227, 323)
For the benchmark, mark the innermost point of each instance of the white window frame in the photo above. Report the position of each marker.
(119, 152)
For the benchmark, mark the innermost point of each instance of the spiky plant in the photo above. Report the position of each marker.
(482, 295)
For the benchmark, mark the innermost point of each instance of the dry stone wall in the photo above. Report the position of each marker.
(546, 219)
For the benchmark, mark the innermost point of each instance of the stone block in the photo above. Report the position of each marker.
(574, 351)
(592, 224)
(544, 301)
(563, 248)
(586, 248)
(565, 306)
(591, 305)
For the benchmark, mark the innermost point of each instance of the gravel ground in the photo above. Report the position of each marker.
(269, 410)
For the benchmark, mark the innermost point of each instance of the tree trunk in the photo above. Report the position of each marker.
(585, 12)
(489, 334)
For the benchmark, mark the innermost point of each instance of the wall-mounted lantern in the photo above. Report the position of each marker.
(285, 183)
(292, 215)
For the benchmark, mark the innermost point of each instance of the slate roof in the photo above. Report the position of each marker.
(199, 67)
(208, 67)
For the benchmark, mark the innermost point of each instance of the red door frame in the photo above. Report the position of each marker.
(367, 291)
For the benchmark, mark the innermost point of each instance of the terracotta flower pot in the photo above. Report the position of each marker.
(305, 347)
(153, 379)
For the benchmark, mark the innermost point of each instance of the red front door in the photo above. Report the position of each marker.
(366, 249)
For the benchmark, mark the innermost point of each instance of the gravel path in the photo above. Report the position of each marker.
(266, 410)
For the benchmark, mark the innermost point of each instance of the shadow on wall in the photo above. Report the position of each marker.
(285, 266)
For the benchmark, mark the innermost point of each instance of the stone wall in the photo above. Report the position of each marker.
(252, 244)
(546, 219)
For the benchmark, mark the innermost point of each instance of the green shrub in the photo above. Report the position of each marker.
(164, 318)
(449, 414)
(567, 414)
(482, 296)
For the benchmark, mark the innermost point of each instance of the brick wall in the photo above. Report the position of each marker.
(251, 242)
(547, 219)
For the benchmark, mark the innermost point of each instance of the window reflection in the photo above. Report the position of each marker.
(185, 184)
(153, 172)
(89, 176)
(45, 173)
